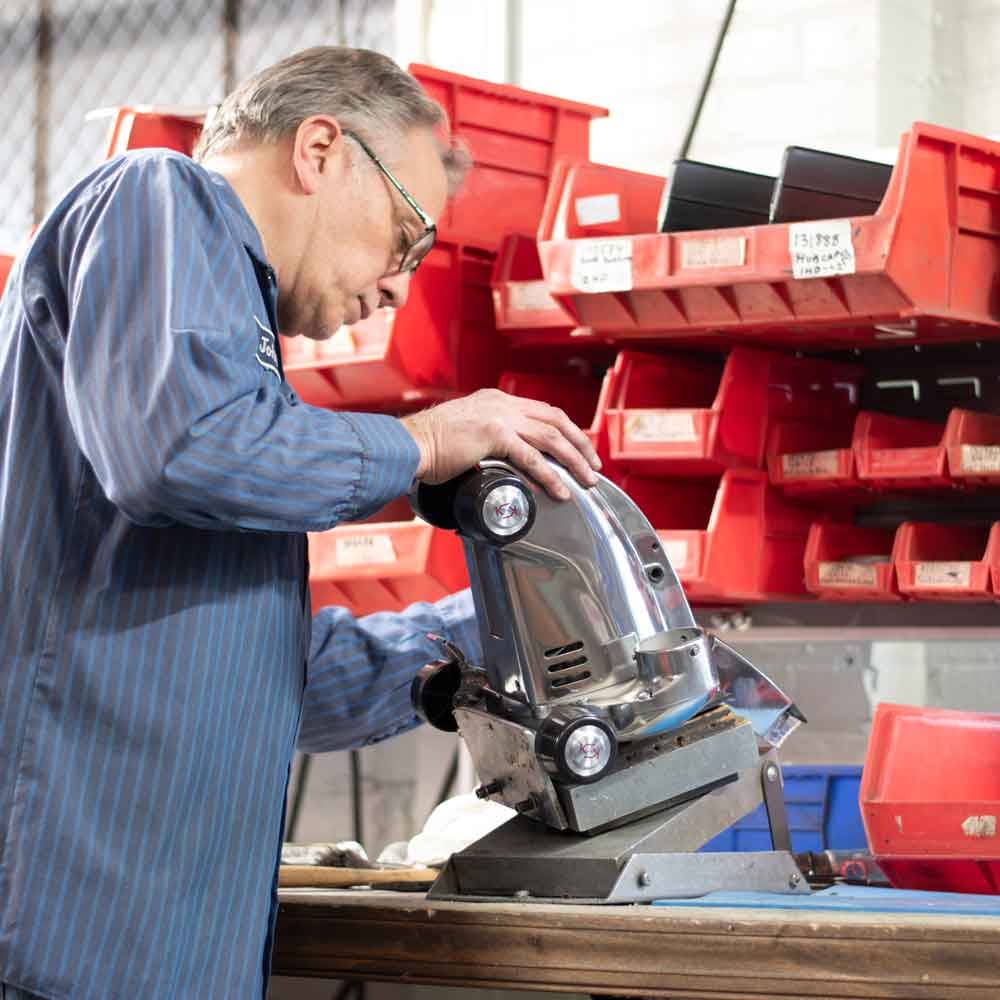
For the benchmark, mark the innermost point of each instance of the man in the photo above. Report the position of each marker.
(158, 660)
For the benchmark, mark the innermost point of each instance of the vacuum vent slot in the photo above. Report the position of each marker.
(572, 679)
(571, 647)
(566, 664)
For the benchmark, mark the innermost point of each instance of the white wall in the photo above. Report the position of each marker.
(848, 75)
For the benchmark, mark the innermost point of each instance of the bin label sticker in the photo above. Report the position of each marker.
(847, 574)
(724, 251)
(821, 249)
(980, 458)
(677, 552)
(943, 574)
(602, 265)
(980, 826)
(810, 464)
(661, 425)
(530, 296)
(363, 550)
(597, 209)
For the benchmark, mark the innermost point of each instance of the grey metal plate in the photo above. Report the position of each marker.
(663, 774)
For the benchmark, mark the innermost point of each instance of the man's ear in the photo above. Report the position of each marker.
(318, 146)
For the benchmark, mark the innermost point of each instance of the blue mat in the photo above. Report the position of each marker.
(852, 899)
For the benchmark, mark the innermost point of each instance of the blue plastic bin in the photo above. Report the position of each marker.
(823, 813)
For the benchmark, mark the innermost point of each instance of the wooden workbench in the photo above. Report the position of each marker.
(695, 953)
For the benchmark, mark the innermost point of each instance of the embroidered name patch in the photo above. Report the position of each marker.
(267, 351)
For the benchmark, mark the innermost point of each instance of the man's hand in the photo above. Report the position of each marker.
(454, 436)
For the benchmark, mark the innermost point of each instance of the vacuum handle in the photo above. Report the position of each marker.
(435, 503)
(489, 504)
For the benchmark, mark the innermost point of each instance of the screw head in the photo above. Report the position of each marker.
(794, 880)
(771, 773)
(645, 879)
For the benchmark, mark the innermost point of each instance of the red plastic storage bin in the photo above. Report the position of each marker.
(678, 415)
(885, 452)
(847, 563)
(144, 126)
(631, 203)
(900, 453)
(515, 137)
(830, 283)
(6, 263)
(576, 394)
(973, 442)
(930, 798)
(440, 344)
(735, 540)
(522, 305)
(947, 562)
(579, 396)
(814, 461)
(385, 565)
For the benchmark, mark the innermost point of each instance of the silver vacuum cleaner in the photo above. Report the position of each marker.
(623, 734)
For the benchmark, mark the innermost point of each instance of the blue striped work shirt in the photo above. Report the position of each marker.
(158, 659)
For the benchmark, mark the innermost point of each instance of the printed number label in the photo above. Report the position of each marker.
(726, 251)
(677, 552)
(602, 266)
(821, 249)
(363, 550)
(847, 574)
(597, 209)
(661, 425)
(943, 574)
(810, 464)
(980, 458)
(530, 296)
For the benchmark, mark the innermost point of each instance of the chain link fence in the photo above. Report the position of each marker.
(62, 59)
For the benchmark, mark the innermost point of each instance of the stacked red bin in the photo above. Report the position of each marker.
(685, 435)
(753, 458)
(930, 796)
(6, 263)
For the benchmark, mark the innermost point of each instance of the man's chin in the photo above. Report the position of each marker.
(312, 327)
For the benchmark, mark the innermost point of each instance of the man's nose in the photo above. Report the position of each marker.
(394, 290)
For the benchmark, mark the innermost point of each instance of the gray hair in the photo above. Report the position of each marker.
(365, 91)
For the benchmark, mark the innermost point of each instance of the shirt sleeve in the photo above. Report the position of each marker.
(360, 669)
(171, 407)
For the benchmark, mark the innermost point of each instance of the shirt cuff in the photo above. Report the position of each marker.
(458, 613)
(389, 461)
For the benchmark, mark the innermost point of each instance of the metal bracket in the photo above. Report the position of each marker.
(773, 788)
(652, 858)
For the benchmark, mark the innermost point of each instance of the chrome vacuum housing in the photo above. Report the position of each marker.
(588, 644)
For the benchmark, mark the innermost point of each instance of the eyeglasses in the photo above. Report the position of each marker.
(417, 249)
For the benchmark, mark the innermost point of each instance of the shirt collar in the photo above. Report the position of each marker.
(240, 219)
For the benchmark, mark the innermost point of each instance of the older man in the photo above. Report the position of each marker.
(159, 660)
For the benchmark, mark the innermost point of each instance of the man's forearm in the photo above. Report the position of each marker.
(360, 669)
